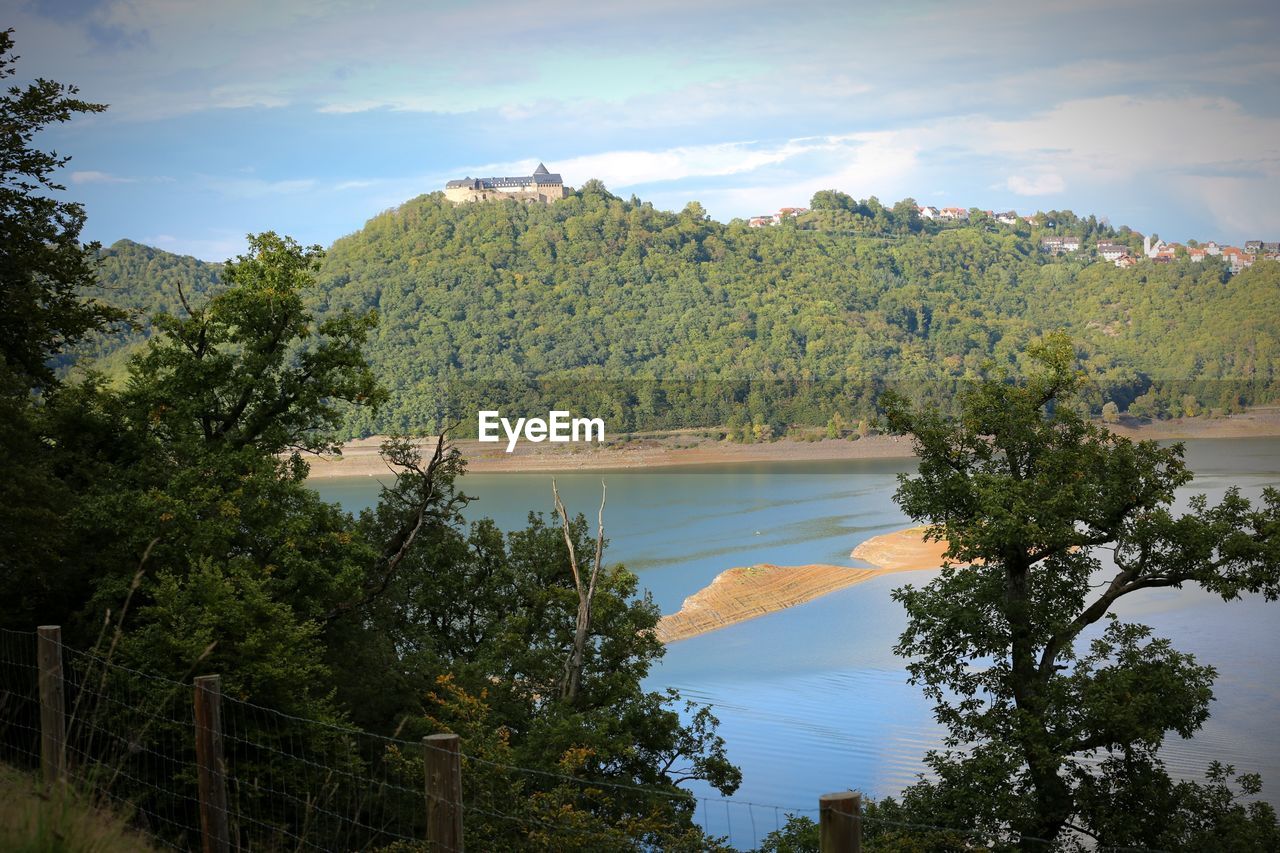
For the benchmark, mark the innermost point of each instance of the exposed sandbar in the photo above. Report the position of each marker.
(746, 592)
(743, 593)
(901, 551)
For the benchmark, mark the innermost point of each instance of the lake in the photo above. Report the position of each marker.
(812, 699)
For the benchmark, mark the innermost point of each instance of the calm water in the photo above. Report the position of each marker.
(812, 699)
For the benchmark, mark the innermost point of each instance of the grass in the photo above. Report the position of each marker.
(59, 821)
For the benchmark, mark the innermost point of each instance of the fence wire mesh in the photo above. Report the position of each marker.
(298, 784)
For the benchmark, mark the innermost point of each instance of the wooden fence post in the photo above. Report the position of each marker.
(210, 768)
(840, 823)
(53, 717)
(443, 761)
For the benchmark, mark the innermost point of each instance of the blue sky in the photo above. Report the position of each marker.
(310, 117)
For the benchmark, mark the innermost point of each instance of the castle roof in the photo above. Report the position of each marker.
(540, 176)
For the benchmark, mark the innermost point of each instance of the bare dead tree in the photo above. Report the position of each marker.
(400, 455)
(573, 665)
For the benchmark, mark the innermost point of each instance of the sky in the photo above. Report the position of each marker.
(308, 118)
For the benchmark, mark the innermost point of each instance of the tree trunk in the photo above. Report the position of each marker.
(1053, 802)
(572, 680)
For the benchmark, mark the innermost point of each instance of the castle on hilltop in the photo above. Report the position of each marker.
(542, 186)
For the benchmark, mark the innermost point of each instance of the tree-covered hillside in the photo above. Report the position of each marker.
(144, 281)
(655, 319)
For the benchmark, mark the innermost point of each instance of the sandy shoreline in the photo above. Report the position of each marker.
(360, 458)
(697, 447)
(746, 592)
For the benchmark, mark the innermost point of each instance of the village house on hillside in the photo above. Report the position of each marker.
(1112, 251)
(1238, 259)
(542, 186)
(1060, 245)
(776, 218)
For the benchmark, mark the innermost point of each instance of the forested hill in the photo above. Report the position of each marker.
(145, 281)
(606, 294)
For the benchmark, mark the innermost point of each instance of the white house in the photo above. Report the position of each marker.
(1112, 251)
(1060, 245)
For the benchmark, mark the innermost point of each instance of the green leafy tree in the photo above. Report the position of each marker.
(43, 266)
(44, 273)
(253, 368)
(482, 623)
(1024, 491)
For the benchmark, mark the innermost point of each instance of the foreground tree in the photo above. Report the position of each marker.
(1045, 695)
(44, 271)
(481, 623)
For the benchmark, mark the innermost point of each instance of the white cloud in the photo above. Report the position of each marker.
(1045, 183)
(357, 106)
(631, 168)
(883, 164)
(1243, 207)
(251, 188)
(1115, 136)
(246, 96)
(1220, 160)
(635, 167)
(92, 177)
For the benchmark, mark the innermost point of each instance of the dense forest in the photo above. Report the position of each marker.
(655, 319)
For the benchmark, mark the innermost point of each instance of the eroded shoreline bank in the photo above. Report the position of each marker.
(360, 458)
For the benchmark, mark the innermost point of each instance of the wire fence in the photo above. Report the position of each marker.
(297, 784)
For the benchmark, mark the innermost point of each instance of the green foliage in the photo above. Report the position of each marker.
(661, 320)
(799, 835)
(142, 282)
(43, 271)
(887, 828)
(481, 622)
(166, 523)
(236, 371)
(1024, 490)
(43, 266)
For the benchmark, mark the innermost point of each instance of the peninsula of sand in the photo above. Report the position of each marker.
(746, 592)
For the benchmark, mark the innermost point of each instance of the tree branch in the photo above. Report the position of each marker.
(573, 665)
(400, 544)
